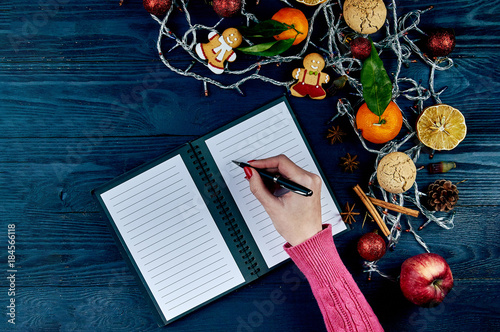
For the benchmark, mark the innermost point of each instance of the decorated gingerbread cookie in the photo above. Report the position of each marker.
(219, 49)
(310, 78)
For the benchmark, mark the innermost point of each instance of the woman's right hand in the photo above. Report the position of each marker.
(296, 217)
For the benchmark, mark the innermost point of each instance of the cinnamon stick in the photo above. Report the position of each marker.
(371, 209)
(394, 207)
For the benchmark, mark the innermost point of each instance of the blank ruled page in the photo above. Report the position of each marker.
(267, 134)
(172, 237)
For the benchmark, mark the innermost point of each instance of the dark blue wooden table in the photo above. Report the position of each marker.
(84, 98)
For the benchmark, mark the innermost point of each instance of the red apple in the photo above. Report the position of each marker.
(425, 279)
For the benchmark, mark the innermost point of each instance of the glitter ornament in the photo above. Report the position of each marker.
(361, 48)
(227, 8)
(371, 247)
(157, 7)
(440, 42)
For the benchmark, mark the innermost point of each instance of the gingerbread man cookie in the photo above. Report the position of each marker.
(219, 49)
(310, 78)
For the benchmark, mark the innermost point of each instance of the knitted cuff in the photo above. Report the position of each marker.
(317, 254)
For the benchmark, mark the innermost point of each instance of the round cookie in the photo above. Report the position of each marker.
(396, 172)
(365, 16)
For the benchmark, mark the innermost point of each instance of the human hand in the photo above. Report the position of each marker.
(296, 217)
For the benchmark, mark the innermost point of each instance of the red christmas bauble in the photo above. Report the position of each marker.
(227, 8)
(157, 7)
(371, 247)
(361, 48)
(440, 42)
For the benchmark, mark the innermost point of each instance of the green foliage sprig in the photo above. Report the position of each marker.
(377, 86)
(267, 29)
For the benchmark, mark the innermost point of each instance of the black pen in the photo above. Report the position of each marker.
(278, 179)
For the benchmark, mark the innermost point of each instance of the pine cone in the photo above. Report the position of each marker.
(442, 195)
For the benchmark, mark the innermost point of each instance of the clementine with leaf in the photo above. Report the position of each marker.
(379, 129)
(296, 20)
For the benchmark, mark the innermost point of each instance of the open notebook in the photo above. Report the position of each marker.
(187, 221)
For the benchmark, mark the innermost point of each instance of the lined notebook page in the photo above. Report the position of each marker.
(267, 134)
(172, 237)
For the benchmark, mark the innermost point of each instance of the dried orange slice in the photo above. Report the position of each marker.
(441, 127)
(311, 2)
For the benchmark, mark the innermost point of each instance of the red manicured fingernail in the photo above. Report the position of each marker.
(251, 160)
(248, 172)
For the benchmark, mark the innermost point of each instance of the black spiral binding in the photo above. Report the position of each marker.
(218, 199)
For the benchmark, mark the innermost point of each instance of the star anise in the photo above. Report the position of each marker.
(349, 163)
(335, 134)
(348, 215)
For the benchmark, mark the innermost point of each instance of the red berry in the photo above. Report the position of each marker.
(361, 48)
(157, 7)
(440, 42)
(371, 247)
(227, 8)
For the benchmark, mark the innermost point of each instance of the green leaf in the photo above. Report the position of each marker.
(377, 86)
(264, 29)
(268, 49)
(257, 48)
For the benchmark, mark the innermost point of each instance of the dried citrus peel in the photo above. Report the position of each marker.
(311, 2)
(441, 127)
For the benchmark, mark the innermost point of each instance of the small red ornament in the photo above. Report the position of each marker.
(157, 7)
(371, 247)
(440, 42)
(227, 8)
(361, 48)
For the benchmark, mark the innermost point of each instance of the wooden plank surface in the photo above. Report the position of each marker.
(84, 98)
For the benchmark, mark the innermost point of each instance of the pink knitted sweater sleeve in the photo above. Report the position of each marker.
(342, 304)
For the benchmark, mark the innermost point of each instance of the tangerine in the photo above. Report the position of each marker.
(381, 129)
(298, 22)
